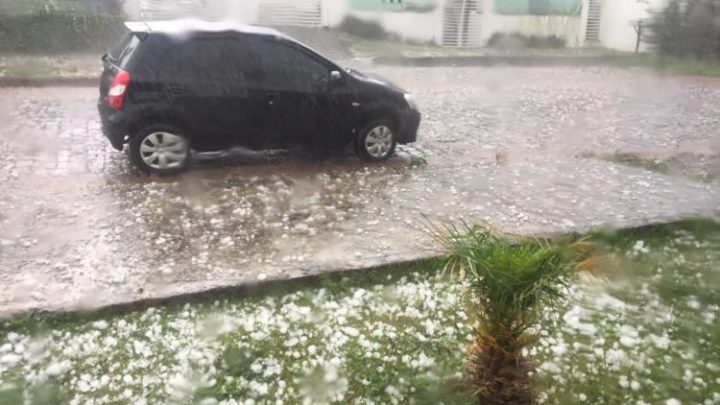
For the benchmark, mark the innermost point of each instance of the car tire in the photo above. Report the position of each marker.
(376, 141)
(160, 149)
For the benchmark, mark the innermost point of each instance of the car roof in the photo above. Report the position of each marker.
(188, 26)
(193, 25)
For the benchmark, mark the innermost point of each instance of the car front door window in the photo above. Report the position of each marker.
(289, 69)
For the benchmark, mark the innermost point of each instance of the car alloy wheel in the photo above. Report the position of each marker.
(164, 151)
(379, 142)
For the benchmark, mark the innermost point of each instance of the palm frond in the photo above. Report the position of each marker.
(513, 280)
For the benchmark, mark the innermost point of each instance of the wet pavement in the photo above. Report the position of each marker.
(80, 228)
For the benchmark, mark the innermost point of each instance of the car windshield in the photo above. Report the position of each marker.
(360, 202)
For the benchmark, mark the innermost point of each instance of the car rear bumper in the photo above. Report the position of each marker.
(113, 124)
(409, 124)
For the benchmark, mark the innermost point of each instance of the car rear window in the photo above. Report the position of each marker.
(123, 51)
(121, 45)
(212, 59)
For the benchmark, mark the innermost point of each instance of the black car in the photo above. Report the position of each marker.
(170, 87)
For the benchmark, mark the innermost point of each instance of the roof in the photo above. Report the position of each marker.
(188, 25)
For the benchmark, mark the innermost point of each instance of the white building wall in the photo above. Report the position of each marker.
(334, 12)
(131, 8)
(421, 27)
(569, 28)
(216, 9)
(616, 30)
(246, 12)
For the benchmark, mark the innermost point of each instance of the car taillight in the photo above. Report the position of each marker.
(118, 88)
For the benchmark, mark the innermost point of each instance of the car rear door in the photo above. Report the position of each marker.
(208, 85)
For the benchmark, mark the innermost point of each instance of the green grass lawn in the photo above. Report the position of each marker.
(367, 48)
(666, 65)
(370, 48)
(644, 328)
(42, 67)
(88, 65)
(701, 168)
(635, 160)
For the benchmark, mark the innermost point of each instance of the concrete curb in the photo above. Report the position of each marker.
(49, 82)
(203, 291)
(492, 60)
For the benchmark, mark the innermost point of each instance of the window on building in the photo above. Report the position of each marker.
(393, 5)
(538, 7)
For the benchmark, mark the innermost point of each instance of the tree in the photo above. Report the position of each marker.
(514, 281)
(687, 28)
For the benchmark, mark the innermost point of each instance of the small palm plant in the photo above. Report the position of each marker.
(513, 282)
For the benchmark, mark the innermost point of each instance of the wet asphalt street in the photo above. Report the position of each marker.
(79, 228)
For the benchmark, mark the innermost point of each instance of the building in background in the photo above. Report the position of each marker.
(607, 23)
